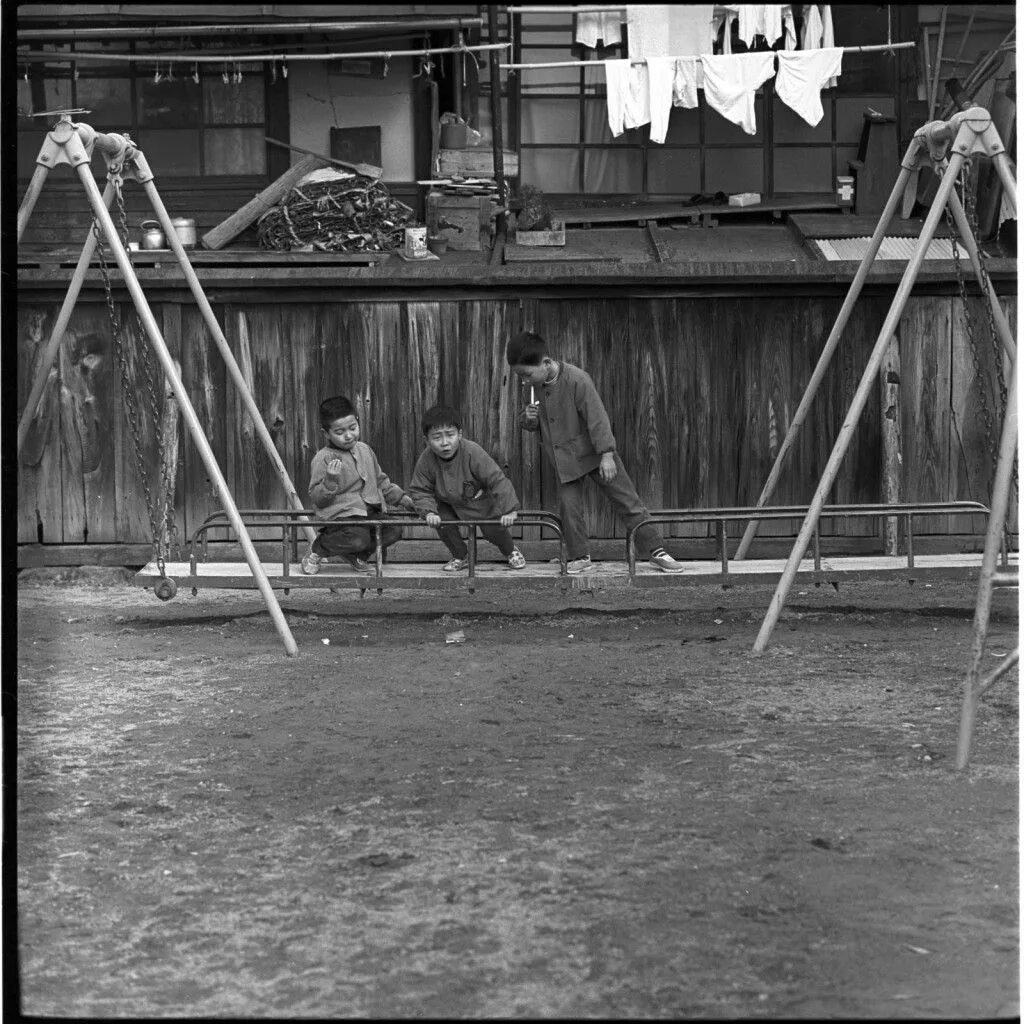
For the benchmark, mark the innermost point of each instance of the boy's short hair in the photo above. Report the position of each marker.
(335, 408)
(526, 349)
(440, 416)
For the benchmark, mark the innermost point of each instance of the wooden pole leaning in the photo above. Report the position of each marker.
(209, 459)
(973, 689)
(145, 177)
(28, 414)
(867, 383)
(909, 165)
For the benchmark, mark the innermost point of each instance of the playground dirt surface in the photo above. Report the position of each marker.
(599, 805)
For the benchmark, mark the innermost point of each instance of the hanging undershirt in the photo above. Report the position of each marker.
(802, 75)
(751, 22)
(772, 23)
(789, 24)
(730, 83)
(811, 37)
(628, 89)
(725, 14)
(603, 26)
(661, 72)
(828, 38)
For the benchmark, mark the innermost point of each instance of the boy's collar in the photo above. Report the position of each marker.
(558, 371)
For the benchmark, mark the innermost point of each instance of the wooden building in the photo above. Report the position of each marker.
(701, 335)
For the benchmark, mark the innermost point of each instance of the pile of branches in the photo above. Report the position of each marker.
(355, 214)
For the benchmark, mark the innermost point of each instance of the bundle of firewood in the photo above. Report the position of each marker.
(349, 214)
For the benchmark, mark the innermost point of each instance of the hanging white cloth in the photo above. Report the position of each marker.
(730, 83)
(661, 73)
(772, 23)
(789, 24)
(689, 77)
(628, 89)
(814, 28)
(669, 30)
(724, 14)
(828, 38)
(751, 22)
(598, 26)
(802, 75)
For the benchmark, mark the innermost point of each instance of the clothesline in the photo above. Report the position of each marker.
(196, 58)
(643, 60)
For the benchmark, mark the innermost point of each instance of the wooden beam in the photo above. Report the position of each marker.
(228, 229)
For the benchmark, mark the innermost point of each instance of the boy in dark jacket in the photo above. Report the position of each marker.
(577, 438)
(346, 483)
(455, 478)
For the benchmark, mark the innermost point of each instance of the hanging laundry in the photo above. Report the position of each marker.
(772, 23)
(689, 77)
(730, 83)
(667, 30)
(828, 38)
(725, 14)
(661, 73)
(628, 89)
(813, 32)
(789, 23)
(595, 28)
(751, 22)
(802, 75)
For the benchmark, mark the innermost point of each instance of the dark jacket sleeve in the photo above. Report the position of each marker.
(489, 473)
(593, 413)
(423, 487)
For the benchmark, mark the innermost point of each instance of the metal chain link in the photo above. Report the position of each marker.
(163, 516)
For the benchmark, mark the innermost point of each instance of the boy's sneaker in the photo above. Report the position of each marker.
(311, 563)
(517, 560)
(578, 565)
(456, 565)
(665, 562)
(358, 564)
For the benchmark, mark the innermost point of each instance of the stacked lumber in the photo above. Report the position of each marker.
(336, 212)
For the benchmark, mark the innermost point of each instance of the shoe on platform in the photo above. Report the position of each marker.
(517, 560)
(456, 565)
(311, 563)
(359, 564)
(578, 565)
(666, 563)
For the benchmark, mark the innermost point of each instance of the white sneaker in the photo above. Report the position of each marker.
(578, 565)
(456, 565)
(517, 560)
(666, 563)
(311, 563)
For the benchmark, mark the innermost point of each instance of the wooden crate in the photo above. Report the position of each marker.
(477, 162)
(471, 213)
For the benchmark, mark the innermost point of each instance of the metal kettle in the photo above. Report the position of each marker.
(153, 235)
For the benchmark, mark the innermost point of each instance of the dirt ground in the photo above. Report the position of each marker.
(601, 805)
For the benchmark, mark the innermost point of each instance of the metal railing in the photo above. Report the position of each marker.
(290, 521)
(721, 517)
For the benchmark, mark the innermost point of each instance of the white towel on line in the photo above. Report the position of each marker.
(789, 24)
(689, 77)
(828, 39)
(730, 83)
(811, 38)
(661, 73)
(802, 75)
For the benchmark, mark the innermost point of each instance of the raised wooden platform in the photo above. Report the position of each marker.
(68, 257)
(491, 575)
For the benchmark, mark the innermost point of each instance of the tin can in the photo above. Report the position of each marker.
(185, 229)
(415, 243)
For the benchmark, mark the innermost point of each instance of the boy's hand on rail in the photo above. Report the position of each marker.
(433, 519)
(607, 468)
(508, 519)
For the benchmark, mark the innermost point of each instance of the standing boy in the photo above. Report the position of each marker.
(455, 478)
(346, 483)
(577, 438)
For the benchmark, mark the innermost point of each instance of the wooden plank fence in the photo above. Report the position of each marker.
(700, 391)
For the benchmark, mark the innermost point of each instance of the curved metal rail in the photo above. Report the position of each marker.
(722, 516)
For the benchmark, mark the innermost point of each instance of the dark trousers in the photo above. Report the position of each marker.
(350, 539)
(622, 496)
(497, 535)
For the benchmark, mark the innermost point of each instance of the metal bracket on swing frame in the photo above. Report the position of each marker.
(74, 144)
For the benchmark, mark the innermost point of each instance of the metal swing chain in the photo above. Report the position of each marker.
(982, 411)
(163, 518)
(126, 386)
